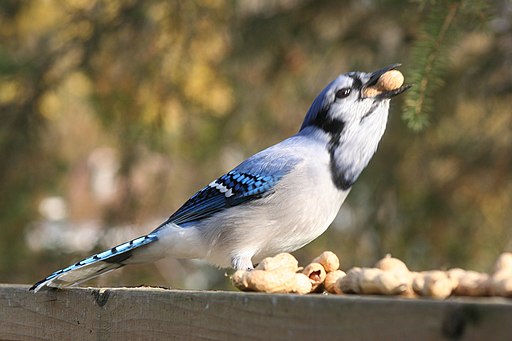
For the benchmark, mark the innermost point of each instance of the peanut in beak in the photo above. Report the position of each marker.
(391, 80)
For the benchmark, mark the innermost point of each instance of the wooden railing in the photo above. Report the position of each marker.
(158, 314)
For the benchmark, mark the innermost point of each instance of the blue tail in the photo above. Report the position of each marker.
(95, 265)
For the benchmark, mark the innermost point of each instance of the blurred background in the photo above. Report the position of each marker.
(113, 113)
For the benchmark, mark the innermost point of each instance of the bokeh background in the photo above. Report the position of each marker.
(113, 113)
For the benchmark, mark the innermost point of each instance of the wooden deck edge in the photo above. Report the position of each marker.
(155, 314)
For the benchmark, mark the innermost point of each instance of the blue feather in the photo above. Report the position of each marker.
(253, 179)
(99, 263)
(229, 190)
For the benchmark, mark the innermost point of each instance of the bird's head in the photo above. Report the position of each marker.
(352, 120)
(345, 104)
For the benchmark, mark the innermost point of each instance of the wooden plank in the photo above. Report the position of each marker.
(155, 314)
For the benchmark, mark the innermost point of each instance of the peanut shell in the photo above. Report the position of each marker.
(329, 261)
(282, 262)
(332, 282)
(316, 274)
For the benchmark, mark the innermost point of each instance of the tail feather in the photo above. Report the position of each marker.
(95, 265)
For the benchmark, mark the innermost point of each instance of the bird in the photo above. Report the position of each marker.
(278, 200)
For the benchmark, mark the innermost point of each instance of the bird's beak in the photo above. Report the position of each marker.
(374, 77)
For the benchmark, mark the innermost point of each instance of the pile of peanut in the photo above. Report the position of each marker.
(389, 276)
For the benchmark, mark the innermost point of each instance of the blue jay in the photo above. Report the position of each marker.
(278, 200)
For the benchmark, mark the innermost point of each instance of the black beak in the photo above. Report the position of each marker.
(374, 77)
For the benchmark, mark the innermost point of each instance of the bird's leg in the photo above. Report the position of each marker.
(242, 262)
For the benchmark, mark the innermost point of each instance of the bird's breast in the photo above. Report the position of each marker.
(299, 208)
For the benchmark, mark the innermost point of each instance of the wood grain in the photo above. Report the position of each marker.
(156, 314)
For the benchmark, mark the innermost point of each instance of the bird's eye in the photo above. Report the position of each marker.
(342, 93)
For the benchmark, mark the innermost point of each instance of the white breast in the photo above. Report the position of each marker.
(303, 205)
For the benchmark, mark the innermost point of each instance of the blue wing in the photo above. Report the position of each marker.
(229, 190)
(253, 179)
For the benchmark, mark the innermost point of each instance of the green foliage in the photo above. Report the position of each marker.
(430, 54)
